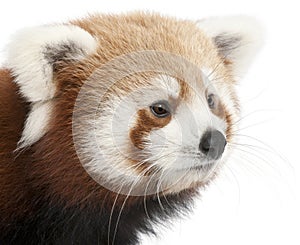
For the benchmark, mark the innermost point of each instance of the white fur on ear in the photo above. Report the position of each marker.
(31, 57)
(238, 39)
(33, 51)
(36, 123)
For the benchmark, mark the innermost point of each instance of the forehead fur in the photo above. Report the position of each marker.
(122, 34)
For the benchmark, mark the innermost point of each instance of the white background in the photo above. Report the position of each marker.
(256, 198)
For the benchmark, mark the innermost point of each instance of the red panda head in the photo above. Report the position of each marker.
(140, 104)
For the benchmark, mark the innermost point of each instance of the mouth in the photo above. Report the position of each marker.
(193, 177)
(204, 168)
(201, 168)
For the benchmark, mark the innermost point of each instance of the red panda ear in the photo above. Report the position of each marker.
(31, 57)
(33, 52)
(237, 38)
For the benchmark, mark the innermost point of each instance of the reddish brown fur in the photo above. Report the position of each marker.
(13, 193)
(51, 166)
(146, 122)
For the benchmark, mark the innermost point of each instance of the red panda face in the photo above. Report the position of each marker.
(153, 101)
(158, 126)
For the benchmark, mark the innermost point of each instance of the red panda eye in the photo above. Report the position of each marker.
(211, 101)
(160, 109)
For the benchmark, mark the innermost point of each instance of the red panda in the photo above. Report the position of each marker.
(113, 123)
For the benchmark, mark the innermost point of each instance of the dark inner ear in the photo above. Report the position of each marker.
(227, 44)
(64, 52)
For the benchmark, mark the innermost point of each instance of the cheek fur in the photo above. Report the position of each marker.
(145, 123)
(219, 111)
(229, 122)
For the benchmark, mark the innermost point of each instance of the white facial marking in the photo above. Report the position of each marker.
(168, 84)
(175, 147)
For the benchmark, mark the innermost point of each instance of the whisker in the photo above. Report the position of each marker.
(250, 126)
(145, 196)
(259, 157)
(121, 210)
(110, 216)
(236, 181)
(250, 114)
(269, 148)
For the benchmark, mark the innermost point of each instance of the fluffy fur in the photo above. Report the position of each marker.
(49, 191)
(32, 62)
(238, 39)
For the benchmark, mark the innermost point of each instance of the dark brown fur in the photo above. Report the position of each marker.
(46, 196)
(13, 194)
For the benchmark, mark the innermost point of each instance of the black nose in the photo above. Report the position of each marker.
(212, 144)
